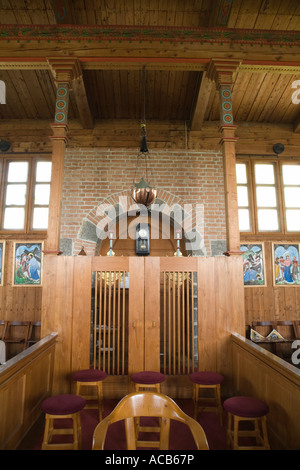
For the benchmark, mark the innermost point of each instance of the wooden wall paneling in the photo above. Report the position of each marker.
(152, 313)
(136, 327)
(81, 320)
(207, 334)
(224, 311)
(262, 375)
(24, 383)
(57, 313)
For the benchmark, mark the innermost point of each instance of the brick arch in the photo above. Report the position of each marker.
(94, 225)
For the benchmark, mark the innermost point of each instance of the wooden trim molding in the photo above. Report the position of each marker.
(152, 33)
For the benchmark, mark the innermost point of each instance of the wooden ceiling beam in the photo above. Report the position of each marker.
(135, 42)
(220, 12)
(85, 114)
(296, 125)
(203, 98)
(63, 11)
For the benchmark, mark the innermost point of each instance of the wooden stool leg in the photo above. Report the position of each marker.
(236, 423)
(195, 400)
(229, 430)
(257, 432)
(46, 438)
(140, 428)
(75, 432)
(218, 400)
(100, 399)
(265, 432)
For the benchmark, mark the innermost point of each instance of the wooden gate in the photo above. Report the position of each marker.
(126, 314)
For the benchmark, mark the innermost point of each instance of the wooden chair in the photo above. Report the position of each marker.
(18, 338)
(148, 404)
(281, 347)
(148, 380)
(33, 337)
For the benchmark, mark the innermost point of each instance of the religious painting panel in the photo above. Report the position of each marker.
(253, 264)
(2, 259)
(286, 271)
(28, 265)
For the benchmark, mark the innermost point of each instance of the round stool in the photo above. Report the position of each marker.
(207, 380)
(147, 380)
(247, 409)
(90, 377)
(62, 407)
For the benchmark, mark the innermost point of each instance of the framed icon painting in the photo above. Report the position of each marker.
(286, 270)
(2, 259)
(253, 264)
(28, 265)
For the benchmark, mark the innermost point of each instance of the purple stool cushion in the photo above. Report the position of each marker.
(89, 375)
(206, 378)
(246, 407)
(148, 377)
(63, 404)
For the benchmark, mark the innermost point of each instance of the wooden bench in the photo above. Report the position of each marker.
(22, 333)
(289, 330)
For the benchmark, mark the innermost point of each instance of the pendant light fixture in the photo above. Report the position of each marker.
(142, 192)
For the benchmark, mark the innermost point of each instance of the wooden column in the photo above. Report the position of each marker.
(64, 72)
(221, 71)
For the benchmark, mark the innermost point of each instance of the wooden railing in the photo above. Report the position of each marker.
(25, 381)
(259, 373)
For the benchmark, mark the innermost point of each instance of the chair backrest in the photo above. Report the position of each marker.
(3, 325)
(32, 338)
(22, 335)
(153, 405)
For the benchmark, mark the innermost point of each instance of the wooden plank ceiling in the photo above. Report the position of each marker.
(258, 95)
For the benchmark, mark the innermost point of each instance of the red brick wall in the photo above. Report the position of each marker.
(94, 176)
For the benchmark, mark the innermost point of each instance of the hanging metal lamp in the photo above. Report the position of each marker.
(142, 192)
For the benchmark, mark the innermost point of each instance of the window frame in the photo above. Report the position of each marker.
(278, 162)
(29, 203)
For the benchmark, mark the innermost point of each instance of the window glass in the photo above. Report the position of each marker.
(17, 172)
(292, 196)
(43, 171)
(241, 173)
(266, 196)
(243, 196)
(14, 218)
(16, 195)
(267, 220)
(291, 174)
(244, 220)
(264, 173)
(293, 220)
(42, 194)
(40, 218)
(24, 179)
